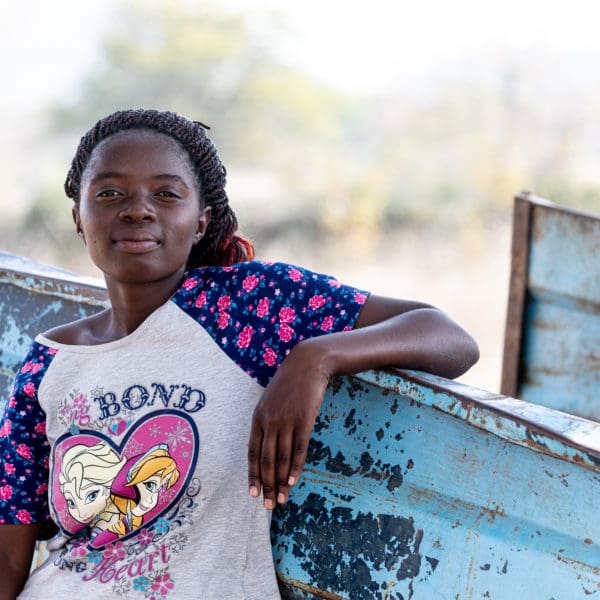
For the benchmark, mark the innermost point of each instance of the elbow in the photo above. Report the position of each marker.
(464, 355)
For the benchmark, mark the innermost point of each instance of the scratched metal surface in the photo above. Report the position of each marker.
(415, 488)
(33, 298)
(560, 365)
(420, 488)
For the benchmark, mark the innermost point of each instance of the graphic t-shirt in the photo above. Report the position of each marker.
(137, 449)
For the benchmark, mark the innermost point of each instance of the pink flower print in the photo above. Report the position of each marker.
(360, 298)
(286, 333)
(9, 468)
(224, 302)
(79, 402)
(12, 402)
(334, 283)
(201, 299)
(145, 537)
(223, 320)
(327, 323)
(114, 552)
(6, 492)
(287, 314)
(270, 356)
(245, 336)
(41, 489)
(262, 310)
(250, 283)
(295, 275)
(6, 428)
(162, 584)
(52, 351)
(26, 367)
(78, 550)
(29, 389)
(34, 367)
(24, 516)
(316, 301)
(190, 283)
(24, 451)
(40, 428)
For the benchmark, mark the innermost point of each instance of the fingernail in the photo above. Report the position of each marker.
(291, 480)
(281, 498)
(254, 491)
(269, 504)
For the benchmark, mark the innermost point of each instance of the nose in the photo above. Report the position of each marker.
(137, 208)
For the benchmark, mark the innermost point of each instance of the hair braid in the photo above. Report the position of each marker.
(221, 245)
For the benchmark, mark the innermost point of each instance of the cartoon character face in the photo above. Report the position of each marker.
(87, 500)
(86, 475)
(149, 491)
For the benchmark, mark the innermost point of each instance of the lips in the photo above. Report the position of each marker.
(136, 242)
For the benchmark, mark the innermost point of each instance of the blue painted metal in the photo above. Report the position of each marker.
(557, 360)
(415, 487)
(33, 298)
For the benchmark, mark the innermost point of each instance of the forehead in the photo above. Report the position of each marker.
(140, 150)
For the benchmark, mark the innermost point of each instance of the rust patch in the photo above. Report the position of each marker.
(299, 585)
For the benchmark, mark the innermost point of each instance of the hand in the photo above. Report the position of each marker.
(282, 423)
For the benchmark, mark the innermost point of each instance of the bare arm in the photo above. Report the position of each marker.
(17, 543)
(388, 332)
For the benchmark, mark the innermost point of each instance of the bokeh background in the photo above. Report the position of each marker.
(379, 141)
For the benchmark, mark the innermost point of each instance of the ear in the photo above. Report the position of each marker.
(203, 221)
(77, 221)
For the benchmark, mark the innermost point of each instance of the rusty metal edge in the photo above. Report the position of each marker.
(545, 203)
(299, 585)
(17, 270)
(513, 332)
(501, 406)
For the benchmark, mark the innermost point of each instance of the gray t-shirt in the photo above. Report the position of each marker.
(137, 448)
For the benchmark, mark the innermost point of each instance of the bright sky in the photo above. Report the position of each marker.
(359, 45)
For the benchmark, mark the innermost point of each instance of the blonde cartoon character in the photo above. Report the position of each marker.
(86, 476)
(136, 489)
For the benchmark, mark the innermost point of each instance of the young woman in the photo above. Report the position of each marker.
(223, 358)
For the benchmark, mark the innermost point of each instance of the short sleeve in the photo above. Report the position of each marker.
(24, 448)
(258, 311)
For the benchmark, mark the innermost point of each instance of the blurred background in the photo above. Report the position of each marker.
(378, 141)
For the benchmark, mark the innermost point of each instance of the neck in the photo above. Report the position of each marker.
(131, 304)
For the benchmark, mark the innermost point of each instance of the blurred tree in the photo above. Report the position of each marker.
(308, 162)
(217, 67)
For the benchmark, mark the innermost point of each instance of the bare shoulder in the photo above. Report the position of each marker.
(83, 332)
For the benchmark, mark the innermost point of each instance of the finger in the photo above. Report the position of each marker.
(300, 450)
(267, 469)
(254, 448)
(282, 468)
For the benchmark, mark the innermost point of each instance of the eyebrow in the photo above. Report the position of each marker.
(116, 175)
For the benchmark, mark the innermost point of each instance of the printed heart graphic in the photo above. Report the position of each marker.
(116, 489)
(120, 427)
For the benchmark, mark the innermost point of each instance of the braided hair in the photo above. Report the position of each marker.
(220, 244)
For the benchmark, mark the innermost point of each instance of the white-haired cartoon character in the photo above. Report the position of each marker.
(86, 476)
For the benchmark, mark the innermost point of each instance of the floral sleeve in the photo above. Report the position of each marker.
(23, 445)
(258, 311)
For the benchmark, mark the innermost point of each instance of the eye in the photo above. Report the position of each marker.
(150, 486)
(167, 195)
(108, 194)
(91, 497)
(70, 503)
